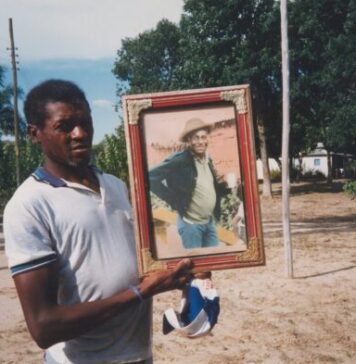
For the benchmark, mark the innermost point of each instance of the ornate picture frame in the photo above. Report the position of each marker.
(193, 179)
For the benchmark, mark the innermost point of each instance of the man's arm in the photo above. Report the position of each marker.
(221, 185)
(156, 176)
(50, 323)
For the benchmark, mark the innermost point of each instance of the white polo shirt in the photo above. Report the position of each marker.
(91, 237)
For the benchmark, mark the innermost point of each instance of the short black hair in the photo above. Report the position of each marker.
(51, 91)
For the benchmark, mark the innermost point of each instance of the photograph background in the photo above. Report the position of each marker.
(161, 131)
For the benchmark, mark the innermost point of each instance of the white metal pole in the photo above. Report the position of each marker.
(285, 142)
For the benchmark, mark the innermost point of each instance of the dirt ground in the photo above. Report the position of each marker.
(265, 317)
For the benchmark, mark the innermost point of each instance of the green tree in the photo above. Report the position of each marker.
(148, 62)
(323, 74)
(237, 42)
(6, 127)
(30, 159)
(30, 155)
(110, 155)
(6, 108)
(217, 43)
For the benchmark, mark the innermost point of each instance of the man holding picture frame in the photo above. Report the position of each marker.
(187, 181)
(70, 244)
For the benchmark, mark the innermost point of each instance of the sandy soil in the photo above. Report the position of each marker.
(265, 317)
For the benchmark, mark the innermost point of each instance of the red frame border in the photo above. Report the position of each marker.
(254, 255)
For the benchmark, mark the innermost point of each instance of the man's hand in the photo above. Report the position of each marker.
(202, 275)
(162, 281)
(50, 323)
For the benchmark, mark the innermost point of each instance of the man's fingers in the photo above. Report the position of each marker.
(182, 281)
(183, 265)
(162, 281)
(182, 273)
(203, 275)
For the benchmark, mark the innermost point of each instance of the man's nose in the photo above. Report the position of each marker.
(79, 132)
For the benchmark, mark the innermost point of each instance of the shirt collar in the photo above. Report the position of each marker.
(201, 161)
(41, 175)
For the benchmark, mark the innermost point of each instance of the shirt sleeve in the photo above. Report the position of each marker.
(28, 244)
(158, 181)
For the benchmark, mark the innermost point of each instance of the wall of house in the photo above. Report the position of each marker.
(273, 166)
(313, 163)
(222, 148)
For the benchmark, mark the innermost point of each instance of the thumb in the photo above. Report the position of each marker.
(183, 265)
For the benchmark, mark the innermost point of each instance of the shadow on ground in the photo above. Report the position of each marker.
(326, 273)
(311, 187)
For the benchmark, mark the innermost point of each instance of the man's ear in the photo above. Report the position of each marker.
(33, 131)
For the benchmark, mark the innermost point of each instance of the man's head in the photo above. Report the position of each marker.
(59, 118)
(196, 134)
(51, 91)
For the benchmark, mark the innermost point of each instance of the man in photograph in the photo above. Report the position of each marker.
(70, 244)
(187, 181)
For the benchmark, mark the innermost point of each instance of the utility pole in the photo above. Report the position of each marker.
(285, 142)
(16, 117)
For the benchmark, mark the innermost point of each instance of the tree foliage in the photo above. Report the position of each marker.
(6, 108)
(30, 158)
(323, 76)
(30, 155)
(217, 43)
(237, 42)
(224, 42)
(148, 62)
(110, 155)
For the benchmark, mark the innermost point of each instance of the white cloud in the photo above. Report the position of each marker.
(103, 103)
(79, 29)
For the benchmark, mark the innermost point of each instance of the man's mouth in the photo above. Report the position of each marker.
(80, 148)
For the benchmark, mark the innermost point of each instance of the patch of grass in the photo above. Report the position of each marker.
(350, 188)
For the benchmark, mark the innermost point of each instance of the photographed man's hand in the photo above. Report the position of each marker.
(162, 281)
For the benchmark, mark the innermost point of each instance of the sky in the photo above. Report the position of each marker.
(78, 40)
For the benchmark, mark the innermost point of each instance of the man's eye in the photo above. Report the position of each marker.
(65, 127)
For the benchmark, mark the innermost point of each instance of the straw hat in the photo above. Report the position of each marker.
(193, 125)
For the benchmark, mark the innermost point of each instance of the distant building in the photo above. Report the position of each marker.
(272, 164)
(316, 161)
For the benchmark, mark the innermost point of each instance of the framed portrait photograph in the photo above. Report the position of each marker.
(193, 179)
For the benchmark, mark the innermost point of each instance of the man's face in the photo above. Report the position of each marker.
(67, 133)
(198, 142)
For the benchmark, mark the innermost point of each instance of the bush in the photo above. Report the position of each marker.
(315, 175)
(350, 170)
(110, 155)
(30, 159)
(229, 207)
(296, 173)
(5, 196)
(350, 188)
(275, 175)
